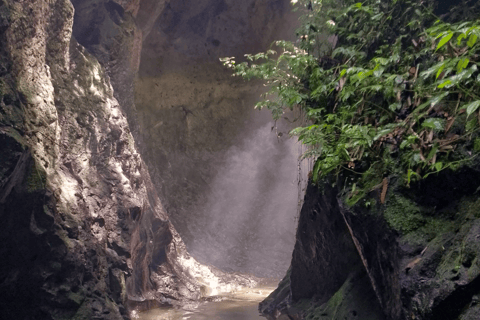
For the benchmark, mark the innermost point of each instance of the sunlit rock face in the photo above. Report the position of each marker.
(70, 184)
(188, 112)
(163, 272)
(197, 120)
(82, 227)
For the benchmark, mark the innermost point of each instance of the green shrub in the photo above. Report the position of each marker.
(387, 88)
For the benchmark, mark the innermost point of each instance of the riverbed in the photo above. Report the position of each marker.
(239, 305)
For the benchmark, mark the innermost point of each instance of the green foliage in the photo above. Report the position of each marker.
(387, 88)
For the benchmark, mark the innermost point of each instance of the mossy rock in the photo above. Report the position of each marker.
(354, 300)
(403, 215)
(417, 224)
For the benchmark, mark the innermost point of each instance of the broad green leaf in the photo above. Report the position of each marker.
(378, 71)
(462, 64)
(440, 70)
(460, 38)
(462, 76)
(462, 25)
(433, 101)
(447, 83)
(476, 145)
(434, 123)
(427, 73)
(364, 74)
(416, 158)
(410, 174)
(471, 107)
(382, 61)
(404, 144)
(381, 133)
(375, 88)
(438, 166)
(315, 112)
(471, 124)
(444, 40)
(393, 77)
(472, 40)
(470, 30)
(441, 34)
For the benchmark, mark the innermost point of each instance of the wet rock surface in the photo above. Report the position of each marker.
(325, 279)
(59, 223)
(83, 229)
(418, 254)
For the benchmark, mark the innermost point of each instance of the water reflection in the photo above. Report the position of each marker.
(240, 305)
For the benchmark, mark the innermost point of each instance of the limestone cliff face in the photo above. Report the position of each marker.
(82, 227)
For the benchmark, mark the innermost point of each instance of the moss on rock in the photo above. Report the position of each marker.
(403, 215)
(354, 300)
(417, 224)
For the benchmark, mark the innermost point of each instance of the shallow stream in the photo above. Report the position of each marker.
(239, 305)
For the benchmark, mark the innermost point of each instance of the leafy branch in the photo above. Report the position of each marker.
(387, 88)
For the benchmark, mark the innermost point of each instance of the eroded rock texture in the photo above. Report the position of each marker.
(326, 279)
(414, 257)
(82, 227)
(61, 131)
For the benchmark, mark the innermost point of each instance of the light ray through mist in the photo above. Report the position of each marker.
(248, 222)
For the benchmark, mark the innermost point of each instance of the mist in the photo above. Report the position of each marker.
(248, 222)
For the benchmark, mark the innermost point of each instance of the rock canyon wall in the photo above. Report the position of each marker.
(84, 229)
